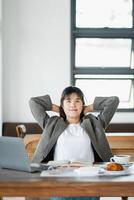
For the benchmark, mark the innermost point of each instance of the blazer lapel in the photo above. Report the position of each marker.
(86, 124)
(58, 130)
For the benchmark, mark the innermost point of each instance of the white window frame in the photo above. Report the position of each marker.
(98, 33)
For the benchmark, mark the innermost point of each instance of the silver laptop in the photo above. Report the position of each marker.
(14, 156)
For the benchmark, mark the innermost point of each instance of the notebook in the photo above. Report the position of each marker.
(13, 156)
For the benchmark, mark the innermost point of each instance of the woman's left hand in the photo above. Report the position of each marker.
(88, 108)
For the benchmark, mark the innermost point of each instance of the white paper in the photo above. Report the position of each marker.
(67, 163)
(87, 171)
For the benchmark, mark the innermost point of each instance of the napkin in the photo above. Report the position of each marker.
(87, 171)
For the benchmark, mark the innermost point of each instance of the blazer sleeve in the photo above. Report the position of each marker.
(107, 107)
(39, 106)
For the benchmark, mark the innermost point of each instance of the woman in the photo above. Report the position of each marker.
(75, 126)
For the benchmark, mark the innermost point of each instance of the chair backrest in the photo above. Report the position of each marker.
(30, 140)
(20, 130)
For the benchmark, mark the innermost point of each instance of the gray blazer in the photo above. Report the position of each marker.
(55, 125)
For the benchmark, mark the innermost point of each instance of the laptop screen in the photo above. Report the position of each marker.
(13, 154)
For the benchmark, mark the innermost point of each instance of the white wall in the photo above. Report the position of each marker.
(36, 55)
(0, 71)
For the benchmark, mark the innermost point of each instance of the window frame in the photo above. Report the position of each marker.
(99, 33)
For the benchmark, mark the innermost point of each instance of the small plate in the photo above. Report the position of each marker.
(125, 166)
(104, 172)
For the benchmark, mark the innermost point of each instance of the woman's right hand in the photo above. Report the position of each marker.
(55, 108)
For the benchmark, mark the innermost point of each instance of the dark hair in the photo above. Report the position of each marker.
(66, 92)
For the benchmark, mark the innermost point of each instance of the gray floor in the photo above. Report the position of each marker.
(115, 198)
(102, 198)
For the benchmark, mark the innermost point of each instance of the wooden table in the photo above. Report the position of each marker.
(15, 183)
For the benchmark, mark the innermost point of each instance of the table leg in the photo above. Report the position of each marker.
(124, 198)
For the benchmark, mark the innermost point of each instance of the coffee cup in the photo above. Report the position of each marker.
(121, 159)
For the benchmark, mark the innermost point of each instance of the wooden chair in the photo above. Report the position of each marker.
(20, 130)
(30, 140)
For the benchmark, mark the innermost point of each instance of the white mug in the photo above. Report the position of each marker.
(121, 159)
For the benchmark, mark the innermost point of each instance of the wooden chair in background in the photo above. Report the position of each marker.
(20, 130)
(30, 140)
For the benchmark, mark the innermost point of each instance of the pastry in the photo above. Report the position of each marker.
(114, 167)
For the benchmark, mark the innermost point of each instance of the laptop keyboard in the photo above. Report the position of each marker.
(40, 167)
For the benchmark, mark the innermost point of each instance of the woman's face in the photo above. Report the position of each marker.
(72, 106)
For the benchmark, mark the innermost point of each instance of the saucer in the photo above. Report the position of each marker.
(126, 165)
(104, 172)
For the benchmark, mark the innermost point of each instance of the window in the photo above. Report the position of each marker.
(102, 49)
